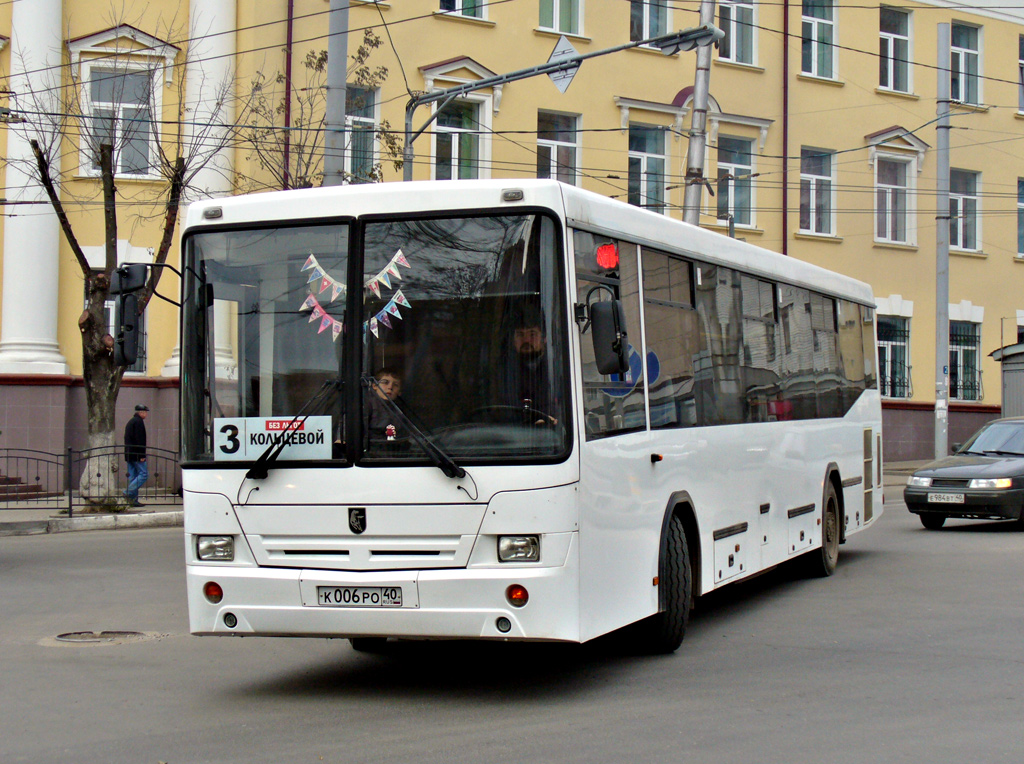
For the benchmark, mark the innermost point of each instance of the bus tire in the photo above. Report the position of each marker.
(368, 644)
(822, 562)
(663, 632)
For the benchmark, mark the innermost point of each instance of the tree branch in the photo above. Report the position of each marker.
(43, 165)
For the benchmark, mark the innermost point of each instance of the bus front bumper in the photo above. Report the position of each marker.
(436, 604)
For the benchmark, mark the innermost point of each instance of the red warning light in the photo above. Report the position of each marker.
(608, 256)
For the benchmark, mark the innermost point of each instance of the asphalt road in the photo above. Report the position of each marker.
(912, 651)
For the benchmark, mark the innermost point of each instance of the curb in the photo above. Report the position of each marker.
(93, 523)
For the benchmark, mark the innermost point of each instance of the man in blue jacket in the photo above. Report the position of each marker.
(135, 454)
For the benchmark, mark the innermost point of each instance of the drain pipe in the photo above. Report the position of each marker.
(785, 127)
(286, 175)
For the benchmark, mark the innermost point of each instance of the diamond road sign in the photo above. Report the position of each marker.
(563, 49)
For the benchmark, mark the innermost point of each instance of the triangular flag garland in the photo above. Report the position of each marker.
(318, 313)
(388, 272)
(388, 312)
(319, 275)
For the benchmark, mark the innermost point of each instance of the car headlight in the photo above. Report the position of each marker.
(990, 483)
(518, 548)
(919, 482)
(218, 548)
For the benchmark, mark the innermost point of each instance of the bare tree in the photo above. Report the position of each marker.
(291, 154)
(109, 127)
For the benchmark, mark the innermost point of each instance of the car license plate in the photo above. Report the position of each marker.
(359, 596)
(945, 498)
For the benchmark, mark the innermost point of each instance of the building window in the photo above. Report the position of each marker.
(894, 357)
(1020, 73)
(647, 18)
(1020, 217)
(736, 19)
(891, 192)
(818, 38)
(472, 8)
(964, 352)
(965, 65)
(963, 209)
(119, 112)
(894, 49)
(647, 163)
(735, 168)
(457, 141)
(560, 15)
(361, 121)
(557, 147)
(110, 316)
(816, 191)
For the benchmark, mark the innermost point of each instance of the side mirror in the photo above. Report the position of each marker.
(608, 324)
(126, 318)
(130, 277)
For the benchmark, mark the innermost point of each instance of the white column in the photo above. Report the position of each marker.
(31, 276)
(210, 64)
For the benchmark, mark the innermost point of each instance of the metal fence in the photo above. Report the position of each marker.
(31, 478)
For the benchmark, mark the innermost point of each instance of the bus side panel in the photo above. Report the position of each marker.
(620, 534)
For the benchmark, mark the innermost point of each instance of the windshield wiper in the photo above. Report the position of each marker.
(997, 452)
(261, 467)
(440, 459)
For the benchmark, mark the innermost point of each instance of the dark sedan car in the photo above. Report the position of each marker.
(983, 479)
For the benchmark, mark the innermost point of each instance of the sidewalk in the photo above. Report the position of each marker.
(30, 519)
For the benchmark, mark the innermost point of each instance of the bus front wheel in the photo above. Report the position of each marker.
(663, 632)
(823, 561)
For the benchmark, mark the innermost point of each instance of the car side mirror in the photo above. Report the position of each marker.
(608, 322)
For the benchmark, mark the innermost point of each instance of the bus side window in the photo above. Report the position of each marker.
(612, 403)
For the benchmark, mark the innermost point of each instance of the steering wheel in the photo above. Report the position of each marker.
(524, 414)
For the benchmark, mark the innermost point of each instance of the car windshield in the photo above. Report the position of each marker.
(998, 438)
(461, 324)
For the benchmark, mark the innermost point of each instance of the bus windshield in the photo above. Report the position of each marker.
(461, 328)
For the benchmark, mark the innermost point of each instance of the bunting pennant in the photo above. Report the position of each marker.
(388, 272)
(336, 330)
(400, 259)
(309, 303)
(385, 320)
(324, 323)
(310, 263)
(393, 270)
(392, 309)
(318, 312)
(400, 299)
(373, 327)
(338, 289)
(382, 277)
(374, 287)
(327, 282)
(319, 274)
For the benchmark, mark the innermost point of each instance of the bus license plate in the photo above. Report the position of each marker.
(359, 596)
(945, 498)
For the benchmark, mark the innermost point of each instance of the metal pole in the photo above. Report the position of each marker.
(942, 249)
(334, 120)
(67, 479)
(694, 187)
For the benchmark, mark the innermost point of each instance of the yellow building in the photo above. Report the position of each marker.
(821, 145)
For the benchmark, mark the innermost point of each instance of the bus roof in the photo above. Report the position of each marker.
(581, 208)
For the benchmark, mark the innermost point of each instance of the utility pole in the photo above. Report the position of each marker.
(337, 74)
(696, 149)
(942, 249)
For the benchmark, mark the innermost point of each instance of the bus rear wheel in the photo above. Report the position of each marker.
(823, 562)
(663, 632)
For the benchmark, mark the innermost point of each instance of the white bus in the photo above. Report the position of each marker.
(506, 409)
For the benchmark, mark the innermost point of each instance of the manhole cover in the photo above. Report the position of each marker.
(101, 636)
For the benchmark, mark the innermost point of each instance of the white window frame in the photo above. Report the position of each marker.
(155, 106)
(960, 59)
(647, 158)
(557, 6)
(957, 366)
(459, 8)
(965, 207)
(740, 13)
(888, 42)
(554, 145)
(482, 105)
(910, 228)
(352, 121)
(814, 182)
(648, 32)
(1020, 217)
(817, 28)
(738, 171)
(885, 354)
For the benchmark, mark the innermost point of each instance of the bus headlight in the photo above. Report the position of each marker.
(215, 548)
(518, 548)
(990, 483)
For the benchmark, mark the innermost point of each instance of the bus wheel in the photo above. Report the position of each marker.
(663, 632)
(824, 562)
(368, 644)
